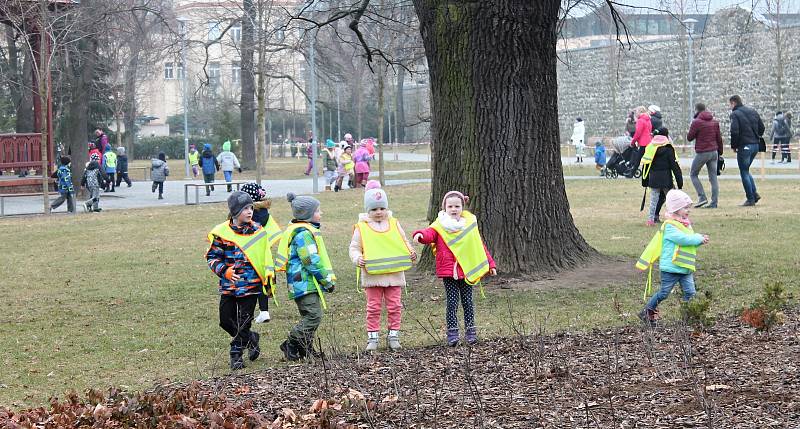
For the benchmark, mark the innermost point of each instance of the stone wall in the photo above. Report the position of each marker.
(602, 84)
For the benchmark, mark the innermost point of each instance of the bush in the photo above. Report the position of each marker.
(767, 311)
(172, 146)
(695, 311)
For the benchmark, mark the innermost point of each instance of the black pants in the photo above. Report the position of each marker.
(236, 316)
(123, 176)
(636, 158)
(208, 178)
(111, 181)
(159, 186)
(263, 302)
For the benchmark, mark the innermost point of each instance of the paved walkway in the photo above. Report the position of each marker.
(140, 196)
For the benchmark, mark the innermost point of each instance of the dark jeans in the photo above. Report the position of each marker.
(459, 291)
(263, 302)
(744, 157)
(111, 181)
(123, 176)
(236, 316)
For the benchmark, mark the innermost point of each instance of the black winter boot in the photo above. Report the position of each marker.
(236, 358)
(290, 350)
(253, 348)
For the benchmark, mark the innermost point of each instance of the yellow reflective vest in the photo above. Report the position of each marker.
(282, 258)
(384, 252)
(194, 158)
(650, 154)
(273, 231)
(467, 247)
(254, 246)
(683, 256)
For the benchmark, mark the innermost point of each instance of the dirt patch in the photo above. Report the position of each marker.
(597, 273)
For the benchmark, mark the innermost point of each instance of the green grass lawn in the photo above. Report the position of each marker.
(125, 298)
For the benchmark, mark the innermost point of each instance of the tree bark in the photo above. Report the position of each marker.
(494, 127)
(248, 86)
(381, 114)
(129, 96)
(400, 113)
(20, 84)
(81, 67)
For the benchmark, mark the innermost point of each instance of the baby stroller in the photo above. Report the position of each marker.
(619, 163)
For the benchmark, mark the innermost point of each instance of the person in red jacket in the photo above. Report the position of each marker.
(453, 219)
(707, 138)
(641, 138)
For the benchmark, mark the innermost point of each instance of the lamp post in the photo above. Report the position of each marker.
(338, 117)
(183, 21)
(313, 139)
(690, 23)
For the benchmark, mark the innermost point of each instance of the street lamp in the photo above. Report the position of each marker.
(690, 23)
(313, 78)
(185, 68)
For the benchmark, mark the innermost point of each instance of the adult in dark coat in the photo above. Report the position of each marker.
(659, 174)
(707, 138)
(747, 130)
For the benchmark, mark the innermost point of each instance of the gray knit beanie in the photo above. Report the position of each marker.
(238, 201)
(303, 207)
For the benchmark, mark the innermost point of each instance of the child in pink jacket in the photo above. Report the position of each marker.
(453, 218)
(386, 287)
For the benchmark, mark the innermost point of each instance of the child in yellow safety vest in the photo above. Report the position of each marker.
(675, 248)
(262, 216)
(239, 255)
(461, 261)
(381, 251)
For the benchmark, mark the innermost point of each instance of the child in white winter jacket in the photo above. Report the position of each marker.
(227, 162)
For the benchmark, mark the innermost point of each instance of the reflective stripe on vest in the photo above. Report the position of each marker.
(384, 252)
(254, 246)
(273, 231)
(467, 247)
(685, 257)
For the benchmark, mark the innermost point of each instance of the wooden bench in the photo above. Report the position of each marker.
(199, 185)
(145, 170)
(32, 194)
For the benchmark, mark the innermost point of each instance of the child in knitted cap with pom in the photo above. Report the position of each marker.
(381, 251)
(461, 261)
(309, 273)
(675, 247)
(263, 217)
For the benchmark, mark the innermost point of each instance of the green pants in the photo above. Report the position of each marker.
(311, 316)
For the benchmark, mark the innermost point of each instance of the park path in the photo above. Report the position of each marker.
(139, 195)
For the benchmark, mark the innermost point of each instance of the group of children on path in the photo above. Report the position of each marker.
(240, 256)
(209, 164)
(342, 162)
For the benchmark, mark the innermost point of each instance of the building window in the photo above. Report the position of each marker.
(179, 71)
(168, 71)
(214, 30)
(236, 72)
(236, 33)
(213, 73)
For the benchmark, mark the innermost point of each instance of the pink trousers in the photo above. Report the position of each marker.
(376, 296)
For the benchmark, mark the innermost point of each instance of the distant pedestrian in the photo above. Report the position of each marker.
(110, 167)
(194, 160)
(707, 138)
(747, 130)
(66, 192)
(94, 151)
(94, 179)
(228, 162)
(122, 167)
(578, 132)
(600, 157)
(210, 166)
(329, 162)
(159, 170)
(656, 121)
(659, 166)
(101, 143)
(362, 157)
(310, 156)
(781, 134)
(630, 123)
(641, 138)
(346, 169)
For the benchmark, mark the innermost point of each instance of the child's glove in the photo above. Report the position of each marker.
(240, 170)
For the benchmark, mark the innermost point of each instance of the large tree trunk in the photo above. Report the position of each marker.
(248, 85)
(130, 100)
(81, 65)
(20, 84)
(494, 126)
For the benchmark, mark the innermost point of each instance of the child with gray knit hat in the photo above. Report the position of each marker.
(382, 252)
(309, 273)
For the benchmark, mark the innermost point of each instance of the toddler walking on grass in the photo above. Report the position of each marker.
(382, 253)
(675, 247)
(462, 260)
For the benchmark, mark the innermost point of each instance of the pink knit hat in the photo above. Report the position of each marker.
(464, 199)
(677, 200)
(375, 197)
(372, 184)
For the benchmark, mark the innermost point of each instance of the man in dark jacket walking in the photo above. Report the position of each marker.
(707, 138)
(746, 131)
